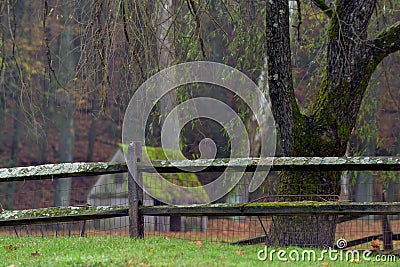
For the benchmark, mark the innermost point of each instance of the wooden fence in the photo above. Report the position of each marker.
(136, 211)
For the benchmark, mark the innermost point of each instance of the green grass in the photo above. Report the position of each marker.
(152, 251)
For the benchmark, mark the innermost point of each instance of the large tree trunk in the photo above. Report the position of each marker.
(351, 60)
(306, 231)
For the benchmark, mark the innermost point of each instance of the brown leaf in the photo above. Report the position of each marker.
(131, 263)
(325, 264)
(375, 244)
(35, 254)
(240, 252)
(198, 242)
(12, 265)
(11, 247)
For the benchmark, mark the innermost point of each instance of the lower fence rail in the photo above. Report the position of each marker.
(345, 211)
(60, 214)
(277, 209)
(304, 208)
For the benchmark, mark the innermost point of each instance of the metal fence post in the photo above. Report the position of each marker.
(135, 192)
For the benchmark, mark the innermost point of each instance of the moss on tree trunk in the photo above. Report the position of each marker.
(351, 59)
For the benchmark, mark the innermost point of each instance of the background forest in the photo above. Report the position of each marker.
(69, 68)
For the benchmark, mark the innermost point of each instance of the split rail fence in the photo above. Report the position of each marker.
(135, 210)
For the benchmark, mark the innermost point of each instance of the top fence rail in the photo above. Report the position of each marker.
(79, 169)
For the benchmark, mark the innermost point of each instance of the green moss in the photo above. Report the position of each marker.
(263, 204)
(189, 180)
(53, 212)
(291, 204)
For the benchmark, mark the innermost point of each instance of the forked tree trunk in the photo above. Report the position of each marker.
(325, 131)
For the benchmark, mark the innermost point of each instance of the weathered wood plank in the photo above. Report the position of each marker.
(60, 214)
(278, 164)
(261, 239)
(366, 239)
(135, 192)
(62, 170)
(71, 213)
(251, 241)
(276, 208)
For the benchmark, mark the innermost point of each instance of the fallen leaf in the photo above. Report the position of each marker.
(142, 264)
(375, 244)
(325, 264)
(12, 265)
(11, 247)
(35, 254)
(151, 250)
(240, 252)
(131, 263)
(198, 242)
(355, 260)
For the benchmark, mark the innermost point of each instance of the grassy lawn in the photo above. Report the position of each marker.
(152, 251)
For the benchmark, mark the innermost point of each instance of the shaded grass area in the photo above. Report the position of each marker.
(152, 251)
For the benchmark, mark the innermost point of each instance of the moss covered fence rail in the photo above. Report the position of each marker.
(63, 170)
(135, 196)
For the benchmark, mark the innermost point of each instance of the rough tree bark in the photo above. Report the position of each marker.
(325, 131)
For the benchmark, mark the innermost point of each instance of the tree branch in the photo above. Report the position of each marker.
(348, 72)
(386, 42)
(279, 73)
(324, 7)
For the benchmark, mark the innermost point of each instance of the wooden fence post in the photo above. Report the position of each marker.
(135, 192)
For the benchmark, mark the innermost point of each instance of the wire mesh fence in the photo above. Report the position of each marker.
(111, 190)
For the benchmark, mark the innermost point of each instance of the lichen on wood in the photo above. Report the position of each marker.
(276, 208)
(276, 164)
(60, 214)
(60, 170)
